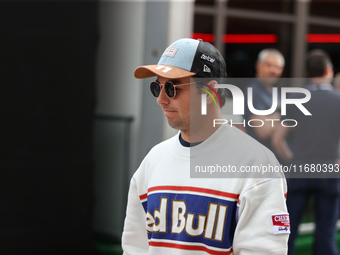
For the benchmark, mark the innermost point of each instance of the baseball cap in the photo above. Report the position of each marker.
(184, 58)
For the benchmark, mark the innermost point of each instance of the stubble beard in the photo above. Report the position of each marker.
(179, 124)
(191, 125)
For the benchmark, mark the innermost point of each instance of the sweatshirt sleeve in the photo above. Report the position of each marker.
(134, 239)
(259, 205)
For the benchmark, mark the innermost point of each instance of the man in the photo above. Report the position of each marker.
(170, 213)
(269, 68)
(315, 145)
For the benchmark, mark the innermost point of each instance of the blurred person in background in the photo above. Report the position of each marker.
(269, 68)
(316, 142)
(336, 82)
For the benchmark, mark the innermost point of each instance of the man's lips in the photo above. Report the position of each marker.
(168, 111)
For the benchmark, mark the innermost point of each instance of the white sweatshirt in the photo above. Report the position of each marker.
(170, 213)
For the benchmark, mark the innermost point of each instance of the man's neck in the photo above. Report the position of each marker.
(267, 84)
(187, 144)
(201, 129)
(321, 80)
(185, 135)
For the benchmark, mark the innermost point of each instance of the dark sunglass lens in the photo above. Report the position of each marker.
(169, 89)
(155, 89)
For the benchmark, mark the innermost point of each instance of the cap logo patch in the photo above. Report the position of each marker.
(207, 58)
(165, 68)
(170, 51)
(206, 69)
(280, 223)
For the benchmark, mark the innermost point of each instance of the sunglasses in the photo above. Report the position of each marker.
(170, 88)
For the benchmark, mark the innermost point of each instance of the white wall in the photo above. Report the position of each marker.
(132, 33)
(121, 50)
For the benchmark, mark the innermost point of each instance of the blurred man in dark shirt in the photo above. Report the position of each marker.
(315, 148)
(269, 68)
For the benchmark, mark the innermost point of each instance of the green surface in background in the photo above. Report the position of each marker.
(304, 244)
(109, 248)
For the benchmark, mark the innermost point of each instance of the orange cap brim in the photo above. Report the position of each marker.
(166, 71)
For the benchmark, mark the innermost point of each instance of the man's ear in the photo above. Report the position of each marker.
(328, 72)
(212, 84)
(257, 66)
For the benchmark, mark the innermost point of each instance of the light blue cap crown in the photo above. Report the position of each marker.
(180, 54)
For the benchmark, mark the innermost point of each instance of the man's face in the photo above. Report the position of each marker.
(177, 110)
(270, 68)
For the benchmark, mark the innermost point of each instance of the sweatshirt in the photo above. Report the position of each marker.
(168, 212)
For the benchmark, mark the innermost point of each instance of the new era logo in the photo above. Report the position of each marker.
(206, 69)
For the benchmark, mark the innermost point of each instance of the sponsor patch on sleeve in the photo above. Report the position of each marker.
(280, 223)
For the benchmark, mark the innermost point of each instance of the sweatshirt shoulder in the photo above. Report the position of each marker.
(162, 146)
(250, 145)
(156, 153)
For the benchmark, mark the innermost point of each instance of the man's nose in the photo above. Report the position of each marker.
(163, 97)
(274, 69)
